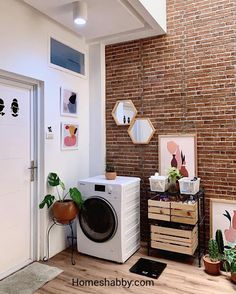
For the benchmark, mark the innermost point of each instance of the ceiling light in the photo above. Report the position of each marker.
(80, 12)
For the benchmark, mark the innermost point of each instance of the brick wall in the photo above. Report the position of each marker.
(184, 82)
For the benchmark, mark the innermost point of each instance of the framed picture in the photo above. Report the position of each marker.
(178, 151)
(223, 217)
(69, 102)
(69, 136)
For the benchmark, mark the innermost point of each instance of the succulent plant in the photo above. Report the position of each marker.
(220, 241)
(110, 168)
(213, 250)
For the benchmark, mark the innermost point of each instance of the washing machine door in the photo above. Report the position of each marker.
(98, 219)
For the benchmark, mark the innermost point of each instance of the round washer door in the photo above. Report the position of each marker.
(98, 219)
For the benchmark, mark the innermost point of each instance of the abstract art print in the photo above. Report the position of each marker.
(69, 136)
(223, 217)
(69, 102)
(178, 151)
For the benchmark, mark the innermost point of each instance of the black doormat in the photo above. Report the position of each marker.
(149, 268)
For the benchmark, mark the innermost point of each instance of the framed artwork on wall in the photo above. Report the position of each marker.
(223, 217)
(69, 102)
(180, 151)
(69, 136)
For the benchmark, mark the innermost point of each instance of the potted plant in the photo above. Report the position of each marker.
(110, 172)
(63, 210)
(173, 175)
(213, 259)
(230, 263)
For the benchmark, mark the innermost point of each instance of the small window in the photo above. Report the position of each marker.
(66, 57)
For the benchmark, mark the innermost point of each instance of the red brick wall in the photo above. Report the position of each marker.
(185, 82)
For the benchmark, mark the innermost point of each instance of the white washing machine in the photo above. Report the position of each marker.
(109, 225)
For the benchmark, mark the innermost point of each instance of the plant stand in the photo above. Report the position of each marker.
(71, 237)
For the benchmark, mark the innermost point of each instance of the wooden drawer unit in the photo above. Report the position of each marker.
(173, 211)
(183, 241)
(159, 210)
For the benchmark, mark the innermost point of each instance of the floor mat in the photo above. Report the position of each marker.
(29, 279)
(149, 268)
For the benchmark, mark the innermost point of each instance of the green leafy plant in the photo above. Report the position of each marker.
(110, 168)
(230, 260)
(220, 241)
(173, 174)
(214, 254)
(54, 181)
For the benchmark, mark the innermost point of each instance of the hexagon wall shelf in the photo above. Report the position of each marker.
(141, 131)
(124, 112)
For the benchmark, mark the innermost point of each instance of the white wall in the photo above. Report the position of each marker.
(97, 109)
(24, 35)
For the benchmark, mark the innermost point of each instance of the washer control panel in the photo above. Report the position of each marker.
(103, 188)
(99, 188)
(108, 191)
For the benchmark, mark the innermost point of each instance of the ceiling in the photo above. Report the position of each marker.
(110, 21)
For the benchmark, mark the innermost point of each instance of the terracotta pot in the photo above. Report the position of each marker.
(64, 212)
(110, 175)
(233, 277)
(211, 267)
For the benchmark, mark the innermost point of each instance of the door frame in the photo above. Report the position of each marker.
(38, 130)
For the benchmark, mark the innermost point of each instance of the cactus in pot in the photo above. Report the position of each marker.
(221, 246)
(213, 260)
(213, 250)
(220, 241)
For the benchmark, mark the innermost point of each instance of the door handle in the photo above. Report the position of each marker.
(32, 169)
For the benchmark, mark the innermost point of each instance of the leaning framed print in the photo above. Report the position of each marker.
(180, 151)
(69, 102)
(223, 217)
(69, 136)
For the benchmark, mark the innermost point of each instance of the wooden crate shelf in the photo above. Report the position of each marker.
(183, 241)
(175, 225)
(173, 211)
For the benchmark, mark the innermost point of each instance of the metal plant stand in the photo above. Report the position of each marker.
(71, 237)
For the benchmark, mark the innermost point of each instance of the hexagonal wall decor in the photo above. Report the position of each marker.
(124, 112)
(141, 131)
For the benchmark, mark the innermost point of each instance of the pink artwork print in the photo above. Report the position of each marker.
(178, 158)
(179, 151)
(69, 136)
(230, 233)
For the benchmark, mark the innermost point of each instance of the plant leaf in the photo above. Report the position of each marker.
(62, 185)
(48, 199)
(76, 196)
(53, 179)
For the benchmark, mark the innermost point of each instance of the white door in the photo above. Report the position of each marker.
(16, 197)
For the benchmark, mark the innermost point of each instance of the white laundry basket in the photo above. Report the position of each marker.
(189, 186)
